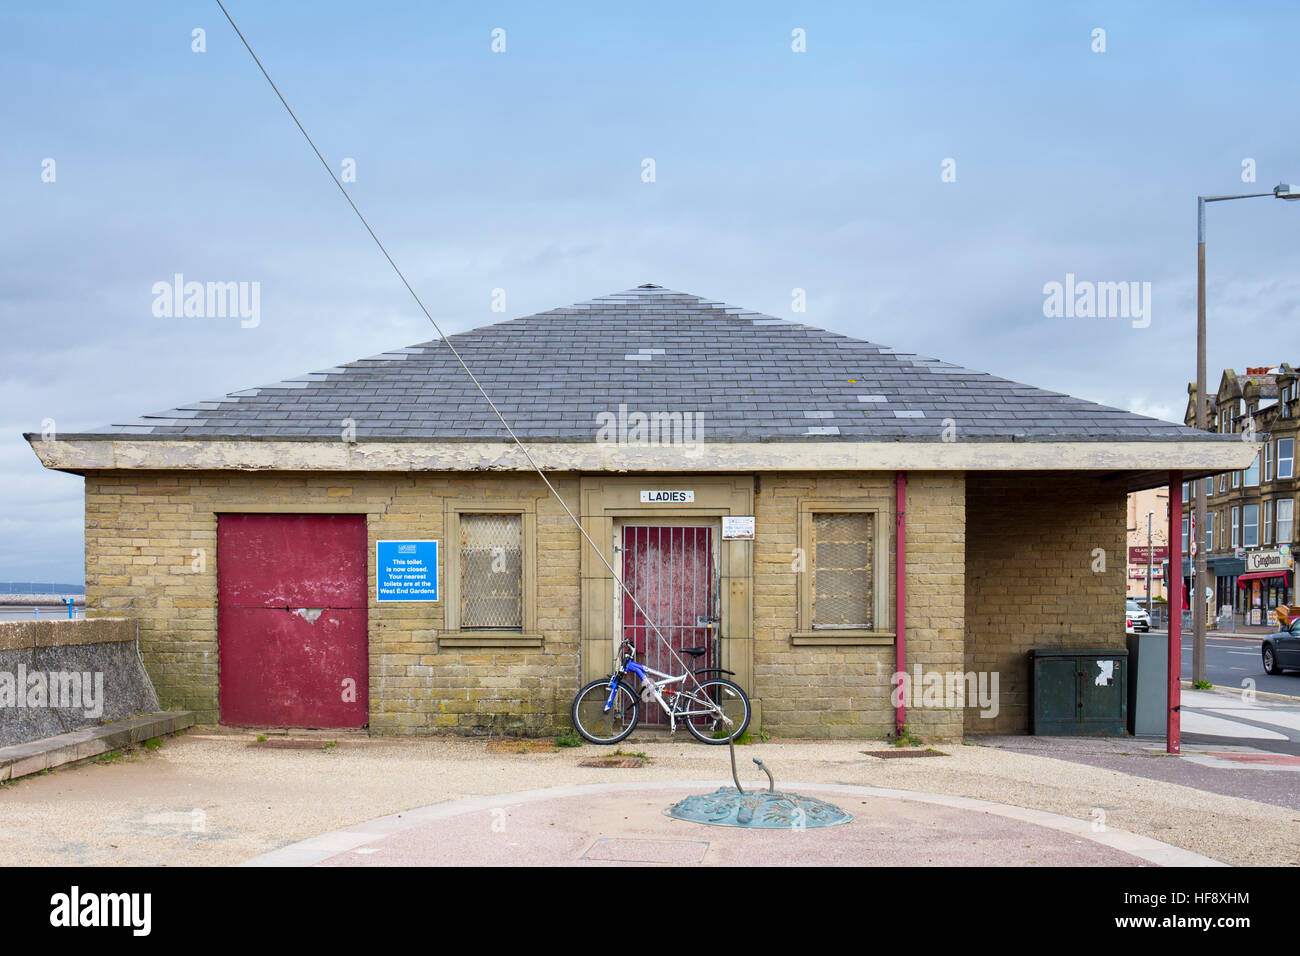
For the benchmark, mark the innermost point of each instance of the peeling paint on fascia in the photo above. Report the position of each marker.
(127, 454)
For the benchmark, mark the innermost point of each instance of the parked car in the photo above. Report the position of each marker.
(1281, 650)
(1136, 620)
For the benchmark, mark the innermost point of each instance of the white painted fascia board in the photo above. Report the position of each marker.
(79, 455)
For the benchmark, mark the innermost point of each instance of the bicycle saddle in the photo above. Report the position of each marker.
(695, 651)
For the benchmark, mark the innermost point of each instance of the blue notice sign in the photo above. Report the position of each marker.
(406, 570)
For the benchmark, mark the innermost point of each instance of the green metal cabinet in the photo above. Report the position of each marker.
(1079, 692)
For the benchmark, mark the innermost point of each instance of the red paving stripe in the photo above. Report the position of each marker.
(1276, 760)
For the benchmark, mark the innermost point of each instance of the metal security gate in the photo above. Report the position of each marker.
(671, 572)
(291, 620)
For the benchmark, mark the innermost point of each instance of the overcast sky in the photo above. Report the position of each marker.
(523, 171)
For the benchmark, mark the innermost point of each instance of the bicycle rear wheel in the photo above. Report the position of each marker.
(710, 728)
(605, 725)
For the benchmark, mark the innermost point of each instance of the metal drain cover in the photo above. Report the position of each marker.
(888, 754)
(283, 744)
(622, 762)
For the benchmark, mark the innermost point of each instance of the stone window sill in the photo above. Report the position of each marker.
(855, 638)
(488, 639)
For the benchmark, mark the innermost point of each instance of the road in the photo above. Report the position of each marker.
(1229, 661)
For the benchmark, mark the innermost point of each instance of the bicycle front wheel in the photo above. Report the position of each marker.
(705, 724)
(602, 724)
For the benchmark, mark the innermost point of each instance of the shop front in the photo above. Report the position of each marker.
(1224, 571)
(1268, 583)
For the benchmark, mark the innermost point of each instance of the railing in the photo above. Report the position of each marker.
(68, 610)
(1226, 620)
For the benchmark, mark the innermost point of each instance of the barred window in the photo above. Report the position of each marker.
(491, 571)
(842, 572)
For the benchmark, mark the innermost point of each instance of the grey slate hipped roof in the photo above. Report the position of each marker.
(752, 377)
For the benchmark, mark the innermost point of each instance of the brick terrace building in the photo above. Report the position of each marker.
(263, 541)
(1250, 530)
(1153, 501)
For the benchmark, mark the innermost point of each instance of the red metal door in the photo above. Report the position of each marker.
(670, 571)
(291, 620)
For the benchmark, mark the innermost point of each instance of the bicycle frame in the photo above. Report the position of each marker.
(654, 683)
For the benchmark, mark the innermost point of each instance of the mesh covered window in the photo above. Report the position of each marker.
(491, 571)
(842, 577)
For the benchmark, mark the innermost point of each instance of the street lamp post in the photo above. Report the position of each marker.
(1149, 610)
(1281, 191)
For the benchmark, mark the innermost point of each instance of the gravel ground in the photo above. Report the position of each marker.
(210, 798)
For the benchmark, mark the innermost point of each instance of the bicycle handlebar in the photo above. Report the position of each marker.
(626, 651)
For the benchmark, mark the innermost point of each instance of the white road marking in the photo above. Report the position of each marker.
(1194, 723)
(1264, 715)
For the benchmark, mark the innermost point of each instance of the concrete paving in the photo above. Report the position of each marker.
(612, 824)
(37, 756)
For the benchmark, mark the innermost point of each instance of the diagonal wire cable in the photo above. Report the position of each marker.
(447, 341)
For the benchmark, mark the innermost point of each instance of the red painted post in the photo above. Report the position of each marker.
(900, 590)
(1173, 729)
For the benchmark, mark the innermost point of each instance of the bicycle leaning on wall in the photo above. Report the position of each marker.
(607, 710)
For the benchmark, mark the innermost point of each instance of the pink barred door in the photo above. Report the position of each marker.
(669, 568)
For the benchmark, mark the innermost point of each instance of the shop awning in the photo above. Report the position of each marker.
(1260, 576)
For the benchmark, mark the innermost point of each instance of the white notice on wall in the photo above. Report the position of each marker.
(737, 526)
